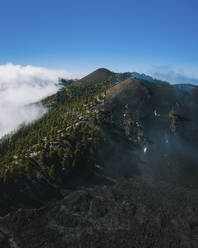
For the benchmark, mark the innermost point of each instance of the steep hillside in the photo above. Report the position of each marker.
(162, 121)
(50, 153)
(112, 164)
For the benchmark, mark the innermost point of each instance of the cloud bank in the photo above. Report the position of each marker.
(173, 75)
(20, 87)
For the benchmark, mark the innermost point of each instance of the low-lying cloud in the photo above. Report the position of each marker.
(173, 75)
(176, 78)
(20, 87)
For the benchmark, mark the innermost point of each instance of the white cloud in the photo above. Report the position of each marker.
(174, 75)
(20, 86)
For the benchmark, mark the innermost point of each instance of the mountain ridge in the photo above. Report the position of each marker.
(104, 139)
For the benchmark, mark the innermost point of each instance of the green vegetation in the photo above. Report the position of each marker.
(63, 140)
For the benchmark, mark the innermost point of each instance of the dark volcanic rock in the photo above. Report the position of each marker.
(4, 243)
(129, 214)
(160, 123)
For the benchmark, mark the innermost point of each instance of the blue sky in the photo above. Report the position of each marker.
(82, 35)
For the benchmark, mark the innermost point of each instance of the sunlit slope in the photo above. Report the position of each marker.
(99, 129)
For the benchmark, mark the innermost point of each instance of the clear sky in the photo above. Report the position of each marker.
(82, 35)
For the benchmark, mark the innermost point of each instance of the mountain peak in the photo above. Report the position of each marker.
(97, 76)
(103, 70)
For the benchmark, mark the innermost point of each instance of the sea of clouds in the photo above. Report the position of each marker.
(20, 88)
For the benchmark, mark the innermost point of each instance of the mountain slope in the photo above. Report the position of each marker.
(130, 213)
(58, 147)
(162, 120)
(135, 139)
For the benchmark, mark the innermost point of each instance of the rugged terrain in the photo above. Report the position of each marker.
(112, 164)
